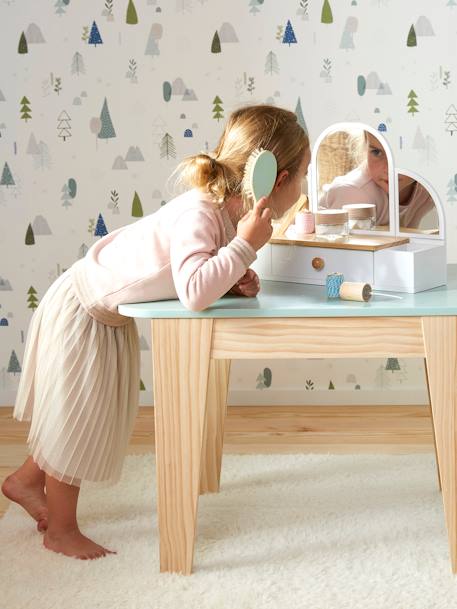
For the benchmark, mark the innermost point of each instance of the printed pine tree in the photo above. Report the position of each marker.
(7, 177)
(131, 17)
(300, 117)
(254, 4)
(451, 119)
(392, 364)
(100, 229)
(142, 387)
(32, 299)
(250, 88)
(447, 78)
(94, 37)
(77, 64)
(412, 102)
(13, 365)
(29, 236)
(107, 129)
(216, 43)
(326, 15)
(137, 209)
(26, 111)
(411, 40)
(331, 385)
(218, 111)
(65, 198)
(58, 85)
(451, 191)
(63, 125)
(60, 7)
(271, 64)
(167, 147)
(289, 35)
(152, 48)
(22, 47)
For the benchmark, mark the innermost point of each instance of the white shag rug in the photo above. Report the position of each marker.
(286, 531)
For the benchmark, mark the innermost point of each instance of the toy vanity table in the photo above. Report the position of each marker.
(192, 354)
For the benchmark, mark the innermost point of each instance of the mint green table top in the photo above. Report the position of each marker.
(281, 299)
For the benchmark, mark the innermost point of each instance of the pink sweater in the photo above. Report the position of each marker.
(188, 249)
(358, 187)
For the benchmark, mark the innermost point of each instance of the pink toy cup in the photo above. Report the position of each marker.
(304, 222)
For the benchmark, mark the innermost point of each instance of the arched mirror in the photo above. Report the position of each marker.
(352, 166)
(419, 211)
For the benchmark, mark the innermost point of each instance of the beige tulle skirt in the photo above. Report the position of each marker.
(79, 387)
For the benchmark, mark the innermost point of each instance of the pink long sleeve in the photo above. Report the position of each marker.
(201, 271)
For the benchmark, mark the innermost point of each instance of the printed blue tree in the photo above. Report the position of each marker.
(100, 229)
(289, 34)
(7, 177)
(107, 129)
(95, 37)
(14, 365)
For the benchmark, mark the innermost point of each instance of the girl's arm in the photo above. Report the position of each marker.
(202, 270)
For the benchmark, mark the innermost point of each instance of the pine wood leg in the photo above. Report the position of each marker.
(433, 426)
(216, 409)
(181, 357)
(440, 340)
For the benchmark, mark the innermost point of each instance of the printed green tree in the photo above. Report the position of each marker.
(32, 299)
(451, 191)
(29, 236)
(331, 385)
(411, 40)
(392, 364)
(13, 365)
(131, 17)
(142, 387)
(65, 197)
(412, 102)
(107, 129)
(22, 47)
(167, 147)
(26, 111)
(60, 7)
(447, 78)
(218, 111)
(271, 64)
(7, 177)
(300, 117)
(250, 88)
(137, 209)
(58, 85)
(289, 35)
(264, 378)
(216, 43)
(326, 15)
(254, 4)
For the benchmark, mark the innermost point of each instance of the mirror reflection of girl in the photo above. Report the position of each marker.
(369, 183)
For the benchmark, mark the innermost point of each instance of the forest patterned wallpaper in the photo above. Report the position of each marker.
(100, 99)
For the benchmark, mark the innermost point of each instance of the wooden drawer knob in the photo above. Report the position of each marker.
(318, 263)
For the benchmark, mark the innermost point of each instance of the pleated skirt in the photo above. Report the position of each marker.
(79, 387)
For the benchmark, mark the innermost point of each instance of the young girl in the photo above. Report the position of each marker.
(369, 183)
(80, 379)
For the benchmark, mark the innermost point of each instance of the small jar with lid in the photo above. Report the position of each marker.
(332, 224)
(362, 216)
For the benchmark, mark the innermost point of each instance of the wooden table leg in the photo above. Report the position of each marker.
(216, 408)
(181, 357)
(433, 427)
(440, 339)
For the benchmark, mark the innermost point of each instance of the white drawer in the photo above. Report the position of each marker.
(295, 263)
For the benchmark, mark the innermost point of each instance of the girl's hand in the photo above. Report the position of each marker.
(248, 285)
(255, 226)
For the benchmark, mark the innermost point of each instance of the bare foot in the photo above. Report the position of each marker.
(74, 543)
(30, 496)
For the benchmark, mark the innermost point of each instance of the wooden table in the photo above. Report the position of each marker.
(191, 362)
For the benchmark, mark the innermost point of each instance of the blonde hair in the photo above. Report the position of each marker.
(247, 129)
